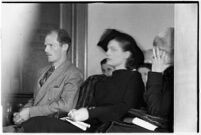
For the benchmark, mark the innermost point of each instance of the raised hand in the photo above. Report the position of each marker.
(159, 60)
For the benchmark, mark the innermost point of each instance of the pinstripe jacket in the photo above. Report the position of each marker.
(59, 93)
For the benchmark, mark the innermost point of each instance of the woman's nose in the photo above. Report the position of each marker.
(108, 53)
(46, 49)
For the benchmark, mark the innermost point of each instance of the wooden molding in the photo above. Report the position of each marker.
(80, 28)
(74, 18)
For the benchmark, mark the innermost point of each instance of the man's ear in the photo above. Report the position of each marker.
(65, 47)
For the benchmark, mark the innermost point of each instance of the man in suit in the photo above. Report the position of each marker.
(57, 88)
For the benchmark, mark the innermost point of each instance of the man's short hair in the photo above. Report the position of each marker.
(62, 36)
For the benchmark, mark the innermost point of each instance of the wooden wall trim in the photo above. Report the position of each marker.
(74, 18)
(80, 28)
(66, 22)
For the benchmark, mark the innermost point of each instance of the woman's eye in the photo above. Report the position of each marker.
(113, 49)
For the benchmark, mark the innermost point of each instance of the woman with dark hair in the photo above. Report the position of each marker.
(113, 96)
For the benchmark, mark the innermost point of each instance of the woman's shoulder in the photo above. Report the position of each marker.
(127, 73)
(135, 73)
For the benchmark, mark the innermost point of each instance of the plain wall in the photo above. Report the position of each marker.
(142, 21)
(185, 75)
(18, 24)
(24, 29)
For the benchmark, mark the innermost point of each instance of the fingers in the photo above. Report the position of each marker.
(163, 55)
(16, 116)
(154, 52)
(19, 121)
(158, 54)
(71, 114)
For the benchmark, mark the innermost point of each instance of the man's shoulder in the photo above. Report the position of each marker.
(72, 69)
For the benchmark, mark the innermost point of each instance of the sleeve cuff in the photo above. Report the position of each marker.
(31, 112)
(155, 78)
(92, 111)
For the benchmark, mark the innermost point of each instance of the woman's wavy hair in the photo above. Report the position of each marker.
(127, 43)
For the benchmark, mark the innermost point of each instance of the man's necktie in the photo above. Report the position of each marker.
(47, 75)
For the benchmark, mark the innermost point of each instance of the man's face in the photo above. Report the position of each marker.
(107, 69)
(53, 49)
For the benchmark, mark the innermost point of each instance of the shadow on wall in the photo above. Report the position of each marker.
(22, 46)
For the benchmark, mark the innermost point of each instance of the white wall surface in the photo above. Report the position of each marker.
(185, 87)
(142, 21)
(18, 23)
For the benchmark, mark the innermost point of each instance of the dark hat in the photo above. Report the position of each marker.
(108, 35)
(136, 57)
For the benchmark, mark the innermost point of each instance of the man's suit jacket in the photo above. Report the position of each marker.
(59, 93)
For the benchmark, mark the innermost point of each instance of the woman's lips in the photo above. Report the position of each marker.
(48, 55)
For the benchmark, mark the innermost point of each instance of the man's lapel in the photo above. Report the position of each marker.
(38, 87)
(52, 79)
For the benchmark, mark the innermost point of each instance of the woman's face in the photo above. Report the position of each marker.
(116, 55)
